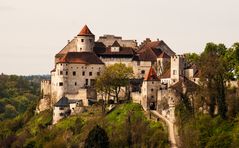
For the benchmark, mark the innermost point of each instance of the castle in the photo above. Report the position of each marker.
(159, 74)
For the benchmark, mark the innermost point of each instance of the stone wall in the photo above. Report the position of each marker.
(136, 97)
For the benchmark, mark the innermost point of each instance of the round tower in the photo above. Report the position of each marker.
(60, 79)
(85, 40)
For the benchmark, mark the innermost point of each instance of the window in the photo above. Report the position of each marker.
(73, 73)
(75, 83)
(61, 84)
(86, 81)
(152, 89)
(83, 73)
(82, 40)
(61, 72)
(66, 72)
(98, 73)
(61, 114)
(142, 72)
(90, 73)
(152, 97)
(174, 72)
(61, 108)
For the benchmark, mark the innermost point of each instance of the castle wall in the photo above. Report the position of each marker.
(70, 78)
(46, 88)
(136, 97)
(140, 68)
(112, 61)
(170, 97)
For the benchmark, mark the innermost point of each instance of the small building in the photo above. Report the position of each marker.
(66, 107)
(61, 109)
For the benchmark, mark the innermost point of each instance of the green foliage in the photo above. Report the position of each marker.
(129, 124)
(17, 93)
(205, 131)
(29, 130)
(192, 58)
(113, 78)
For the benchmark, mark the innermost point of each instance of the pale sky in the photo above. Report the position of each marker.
(33, 31)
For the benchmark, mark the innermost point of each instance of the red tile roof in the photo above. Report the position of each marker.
(80, 58)
(184, 82)
(151, 76)
(157, 47)
(85, 32)
(145, 55)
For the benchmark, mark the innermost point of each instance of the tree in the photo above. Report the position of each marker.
(213, 76)
(114, 77)
(192, 58)
(97, 138)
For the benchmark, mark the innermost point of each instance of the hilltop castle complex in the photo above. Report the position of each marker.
(159, 74)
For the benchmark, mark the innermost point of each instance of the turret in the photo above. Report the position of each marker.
(85, 40)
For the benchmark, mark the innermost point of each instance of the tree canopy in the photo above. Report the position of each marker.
(113, 78)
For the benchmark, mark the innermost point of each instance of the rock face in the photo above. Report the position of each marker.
(44, 104)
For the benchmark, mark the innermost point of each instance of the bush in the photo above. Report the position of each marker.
(97, 138)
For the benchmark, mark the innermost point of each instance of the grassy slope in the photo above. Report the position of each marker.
(73, 130)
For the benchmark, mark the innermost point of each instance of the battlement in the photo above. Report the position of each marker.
(177, 56)
(45, 82)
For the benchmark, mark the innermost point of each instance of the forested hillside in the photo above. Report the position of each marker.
(210, 118)
(17, 93)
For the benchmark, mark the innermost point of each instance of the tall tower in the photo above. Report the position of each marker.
(150, 89)
(85, 40)
(177, 67)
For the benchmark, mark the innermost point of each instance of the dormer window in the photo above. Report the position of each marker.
(115, 47)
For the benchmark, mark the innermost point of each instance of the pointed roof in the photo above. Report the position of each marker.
(115, 44)
(151, 76)
(63, 102)
(85, 31)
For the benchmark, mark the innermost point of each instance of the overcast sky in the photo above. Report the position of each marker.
(33, 31)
